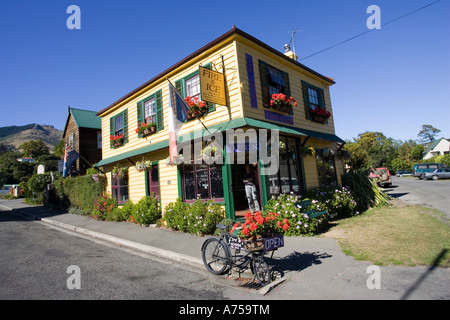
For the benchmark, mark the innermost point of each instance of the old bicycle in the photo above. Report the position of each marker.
(219, 254)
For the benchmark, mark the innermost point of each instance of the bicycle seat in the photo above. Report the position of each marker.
(221, 226)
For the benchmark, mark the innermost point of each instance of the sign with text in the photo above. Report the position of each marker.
(212, 86)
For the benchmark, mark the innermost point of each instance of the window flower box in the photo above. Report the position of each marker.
(197, 108)
(116, 141)
(280, 102)
(319, 114)
(146, 128)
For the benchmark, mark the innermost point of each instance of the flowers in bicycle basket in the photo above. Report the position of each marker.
(260, 225)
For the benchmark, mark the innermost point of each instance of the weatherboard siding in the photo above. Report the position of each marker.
(296, 75)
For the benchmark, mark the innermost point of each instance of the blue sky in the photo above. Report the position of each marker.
(391, 80)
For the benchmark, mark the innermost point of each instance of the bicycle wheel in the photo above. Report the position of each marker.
(215, 256)
(261, 270)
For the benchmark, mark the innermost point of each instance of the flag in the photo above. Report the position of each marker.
(178, 109)
(70, 156)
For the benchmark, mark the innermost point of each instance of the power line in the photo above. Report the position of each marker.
(365, 32)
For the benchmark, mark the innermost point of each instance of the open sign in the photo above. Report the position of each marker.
(273, 243)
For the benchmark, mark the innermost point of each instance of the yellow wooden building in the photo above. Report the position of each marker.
(253, 72)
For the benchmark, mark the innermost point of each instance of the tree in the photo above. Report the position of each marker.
(428, 133)
(371, 150)
(59, 149)
(34, 148)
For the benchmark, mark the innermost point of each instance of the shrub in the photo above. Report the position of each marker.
(174, 215)
(102, 206)
(337, 201)
(81, 191)
(287, 207)
(198, 218)
(146, 211)
(34, 192)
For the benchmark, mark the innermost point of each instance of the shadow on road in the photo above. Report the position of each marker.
(297, 261)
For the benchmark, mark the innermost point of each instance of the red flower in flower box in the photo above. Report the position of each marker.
(281, 102)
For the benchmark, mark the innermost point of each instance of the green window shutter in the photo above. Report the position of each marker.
(140, 114)
(209, 105)
(264, 77)
(287, 90)
(322, 101)
(125, 125)
(306, 99)
(112, 130)
(179, 87)
(159, 111)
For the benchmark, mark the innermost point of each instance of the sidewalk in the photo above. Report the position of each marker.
(315, 267)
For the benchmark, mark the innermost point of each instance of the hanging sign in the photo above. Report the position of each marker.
(212, 85)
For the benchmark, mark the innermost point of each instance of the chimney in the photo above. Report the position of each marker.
(289, 53)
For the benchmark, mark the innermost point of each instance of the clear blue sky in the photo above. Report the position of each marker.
(391, 80)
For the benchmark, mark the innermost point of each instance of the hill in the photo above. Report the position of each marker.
(16, 135)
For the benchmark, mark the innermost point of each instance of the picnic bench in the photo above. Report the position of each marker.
(312, 213)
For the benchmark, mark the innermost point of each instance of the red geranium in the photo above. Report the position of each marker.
(260, 224)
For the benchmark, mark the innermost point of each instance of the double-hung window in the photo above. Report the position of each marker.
(313, 99)
(118, 129)
(273, 81)
(193, 87)
(150, 110)
(119, 188)
(189, 86)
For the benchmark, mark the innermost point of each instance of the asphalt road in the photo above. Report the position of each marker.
(433, 194)
(34, 262)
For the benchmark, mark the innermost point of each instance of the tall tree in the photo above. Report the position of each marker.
(34, 148)
(428, 133)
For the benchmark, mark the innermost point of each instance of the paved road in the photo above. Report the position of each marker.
(34, 261)
(433, 194)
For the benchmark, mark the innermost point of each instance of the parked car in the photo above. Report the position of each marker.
(401, 173)
(438, 174)
(381, 176)
(421, 168)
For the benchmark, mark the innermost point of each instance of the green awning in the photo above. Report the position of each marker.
(151, 147)
(223, 126)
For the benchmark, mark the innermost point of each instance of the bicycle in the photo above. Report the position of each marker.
(218, 258)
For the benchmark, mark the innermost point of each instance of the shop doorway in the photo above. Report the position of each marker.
(241, 205)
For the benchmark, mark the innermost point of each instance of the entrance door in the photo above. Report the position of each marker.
(238, 189)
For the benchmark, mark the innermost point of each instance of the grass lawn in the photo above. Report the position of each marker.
(394, 235)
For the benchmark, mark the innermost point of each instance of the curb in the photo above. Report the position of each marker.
(162, 253)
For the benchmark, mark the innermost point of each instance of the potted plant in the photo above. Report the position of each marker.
(146, 128)
(307, 151)
(282, 103)
(259, 226)
(120, 171)
(116, 140)
(319, 114)
(197, 108)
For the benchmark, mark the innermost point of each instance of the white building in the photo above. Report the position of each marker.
(437, 148)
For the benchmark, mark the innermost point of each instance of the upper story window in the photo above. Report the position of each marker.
(150, 116)
(189, 86)
(314, 101)
(150, 110)
(273, 81)
(193, 86)
(118, 129)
